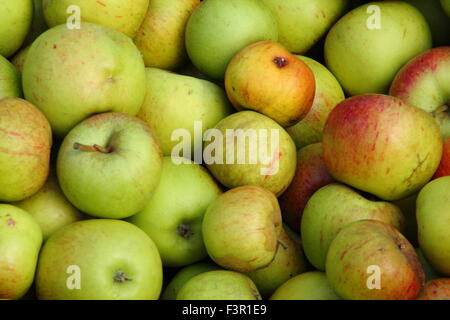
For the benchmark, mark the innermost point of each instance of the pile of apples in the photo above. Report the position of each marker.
(114, 114)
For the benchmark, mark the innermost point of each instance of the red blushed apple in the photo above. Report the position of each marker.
(310, 175)
(437, 289)
(444, 166)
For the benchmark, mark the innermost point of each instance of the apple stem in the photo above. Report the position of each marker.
(121, 277)
(283, 244)
(93, 148)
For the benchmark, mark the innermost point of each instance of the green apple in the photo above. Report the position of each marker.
(301, 23)
(184, 275)
(161, 37)
(328, 94)
(122, 15)
(433, 212)
(446, 6)
(99, 259)
(19, 60)
(311, 285)
(109, 165)
(20, 241)
(72, 74)
(219, 285)
(38, 25)
(10, 85)
(241, 228)
(15, 21)
(50, 208)
(25, 143)
(218, 29)
(175, 101)
(367, 46)
(183, 194)
(333, 207)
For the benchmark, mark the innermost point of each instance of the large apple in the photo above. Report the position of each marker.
(367, 46)
(15, 21)
(72, 74)
(173, 216)
(20, 241)
(266, 78)
(444, 166)
(381, 145)
(218, 29)
(10, 85)
(25, 143)
(424, 82)
(109, 165)
(122, 15)
(99, 259)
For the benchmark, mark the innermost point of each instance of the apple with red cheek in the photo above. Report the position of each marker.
(436, 289)
(444, 167)
(381, 145)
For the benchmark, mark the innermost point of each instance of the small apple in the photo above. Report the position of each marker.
(444, 166)
(99, 259)
(10, 85)
(109, 165)
(436, 289)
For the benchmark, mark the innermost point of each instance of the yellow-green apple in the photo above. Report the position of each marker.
(241, 228)
(437, 289)
(311, 285)
(109, 165)
(10, 85)
(444, 166)
(218, 29)
(301, 23)
(248, 148)
(329, 93)
(368, 45)
(219, 285)
(430, 273)
(371, 260)
(161, 36)
(265, 77)
(19, 59)
(20, 241)
(446, 6)
(174, 102)
(333, 207)
(433, 214)
(72, 74)
(15, 21)
(38, 25)
(381, 145)
(99, 259)
(124, 16)
(183, 194)
(289, 261)
(183, 276)
(50, 208)
(424, 82)
(310, 175)
(25, 143)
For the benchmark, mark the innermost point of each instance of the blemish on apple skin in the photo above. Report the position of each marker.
(280, 62)
(11, 223)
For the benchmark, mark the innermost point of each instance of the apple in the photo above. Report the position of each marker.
(433, 212)
(38, 25)
(301, 23)
(311, 285)
(25, 143)
(50, 208)
(368, 45)
(310, 175)
(184, 275)
(219, 285)
(183, 194)
(265, 77)
(329, 93)
(333, 207)
(174, 101)
(424, 82)
(381, 145)
(20, 241)
(241, 228)
(161, 36)
(444, 166)
(10, 85)
(15, 21)
(446, 6)
(124, 16)
(72, 74)
(218, 29)
(109, 165)
(251, 149)
(19, 60)
(99, 259)
(437, 289)
(371, 260)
